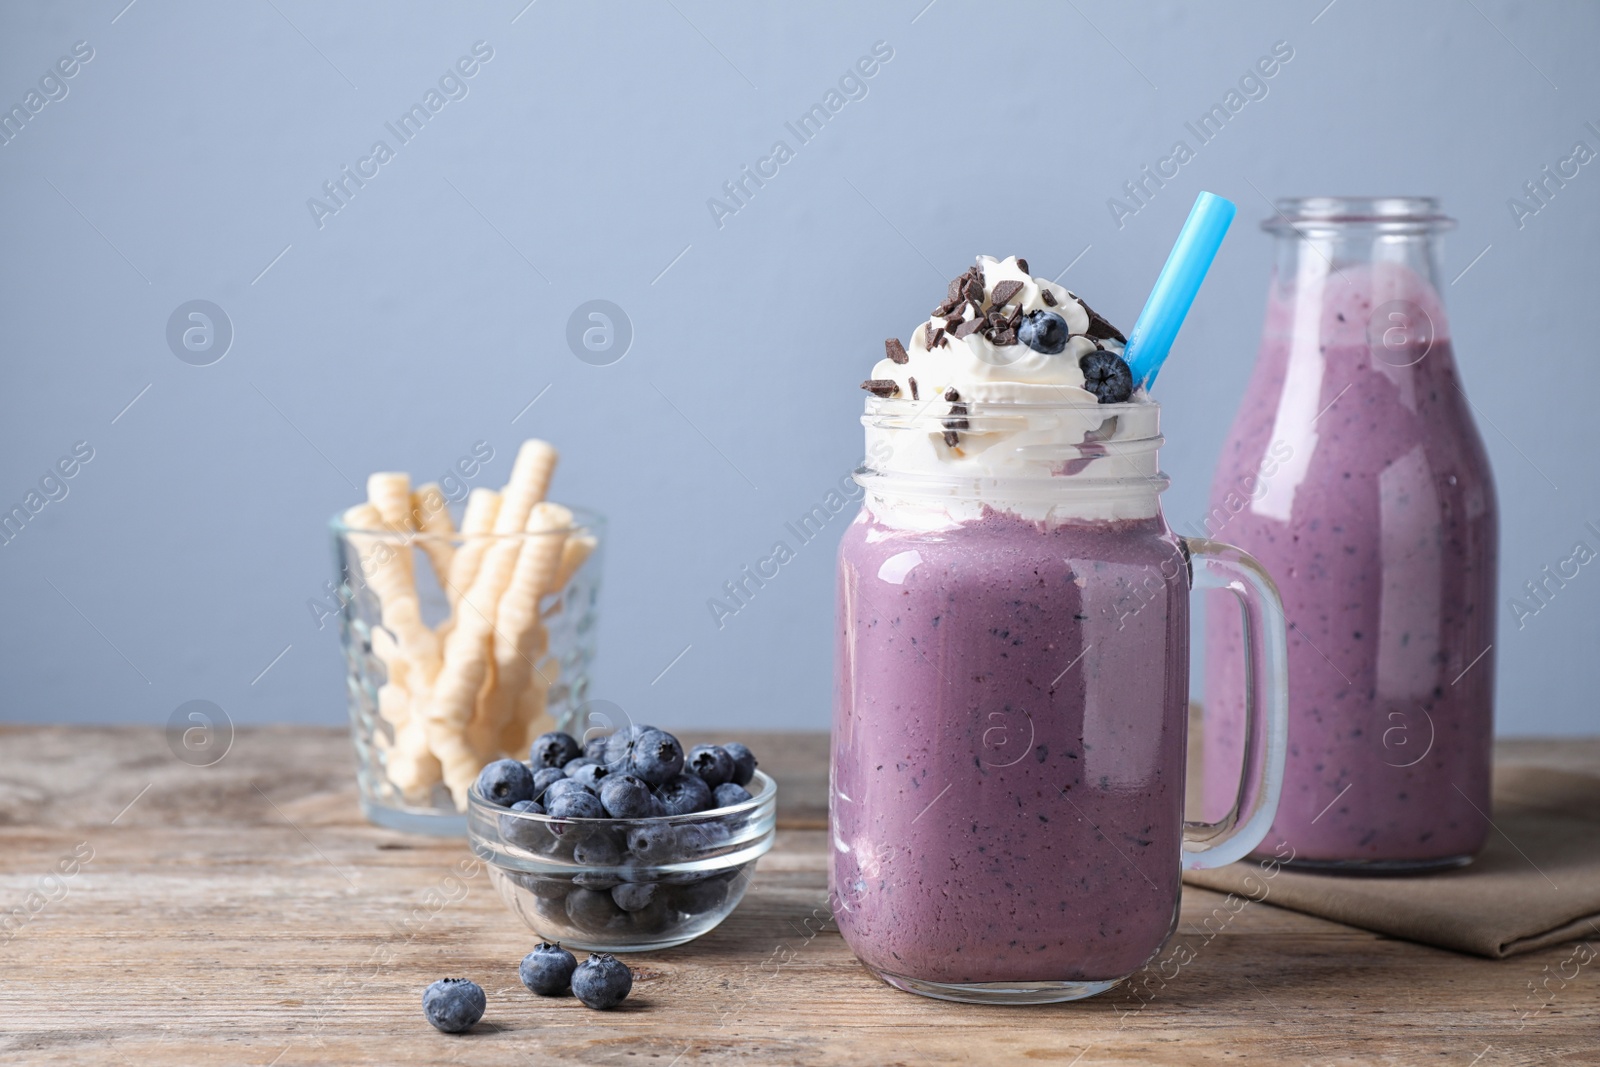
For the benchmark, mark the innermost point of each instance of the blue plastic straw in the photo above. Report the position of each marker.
(1175, 289)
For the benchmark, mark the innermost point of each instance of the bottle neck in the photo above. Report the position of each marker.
(1353, 273)
(1340, 235)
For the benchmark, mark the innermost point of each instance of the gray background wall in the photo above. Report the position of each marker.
(428, 312)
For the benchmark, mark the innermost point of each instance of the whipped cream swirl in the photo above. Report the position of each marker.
(996, 423)
(957, 348)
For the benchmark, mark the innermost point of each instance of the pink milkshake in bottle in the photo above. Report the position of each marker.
(1355, 474)
(1010, 712)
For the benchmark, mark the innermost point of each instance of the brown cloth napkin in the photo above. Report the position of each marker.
(1536, 883)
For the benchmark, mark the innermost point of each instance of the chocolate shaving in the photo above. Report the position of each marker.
(968, 328)
(956, 421)
(951, 394)
(1099, 328)
(881, 386)
(1005, 337)
(896, 350)
(937, 339)
(1004, 291)
(969, 286)
(1016, 317)
(913, 383)
(1048, 297)
(1022, 265)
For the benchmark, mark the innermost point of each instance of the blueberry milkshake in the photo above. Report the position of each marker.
(1012, 654)
(1355, 474)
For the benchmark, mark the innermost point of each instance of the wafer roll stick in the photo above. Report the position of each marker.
(574, 554)
(384, 563)
(480, 704)
(394, 698)
(431, 513)
(476, 523)
(455, 693)
(387, 652)
(529, 719)
(468, 648)
(390, 493)
(533, 468)
(394, 705)
(411, 766)
(531, 716)
(517, 618)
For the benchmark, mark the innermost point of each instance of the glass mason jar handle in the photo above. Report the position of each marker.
(1214, 565)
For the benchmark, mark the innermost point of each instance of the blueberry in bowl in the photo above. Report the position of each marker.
(653, 852)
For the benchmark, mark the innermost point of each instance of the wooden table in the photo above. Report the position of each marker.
(244, 914)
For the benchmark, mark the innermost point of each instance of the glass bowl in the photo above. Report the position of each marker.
(624, 885)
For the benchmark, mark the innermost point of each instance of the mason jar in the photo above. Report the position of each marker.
(1010, 712)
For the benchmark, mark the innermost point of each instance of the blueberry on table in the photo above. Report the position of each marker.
(684, 795)
(524, 833)
(504, 782)
(601, 981)
(657, 756)
(544, 778)
(626, 796)
(744, 763)
(1043, 331)
(454, 1004)
(547, 970)
(727, 795)
(554, 749)
(634, 896)
(1106, 376)
(576, 804)
(711, 763)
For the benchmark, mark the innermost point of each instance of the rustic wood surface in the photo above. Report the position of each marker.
(244, 914)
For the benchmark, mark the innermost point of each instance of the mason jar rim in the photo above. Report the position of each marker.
(583, 520)
(896, 408)
(1038, 477)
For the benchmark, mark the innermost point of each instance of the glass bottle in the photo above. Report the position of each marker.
(1355, 474)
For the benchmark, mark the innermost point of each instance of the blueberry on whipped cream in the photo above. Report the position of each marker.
(1002, 335)
(1043, 331)
(1107, 376)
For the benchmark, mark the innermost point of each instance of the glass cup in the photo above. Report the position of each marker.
(1011, 705)
(411, 766)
